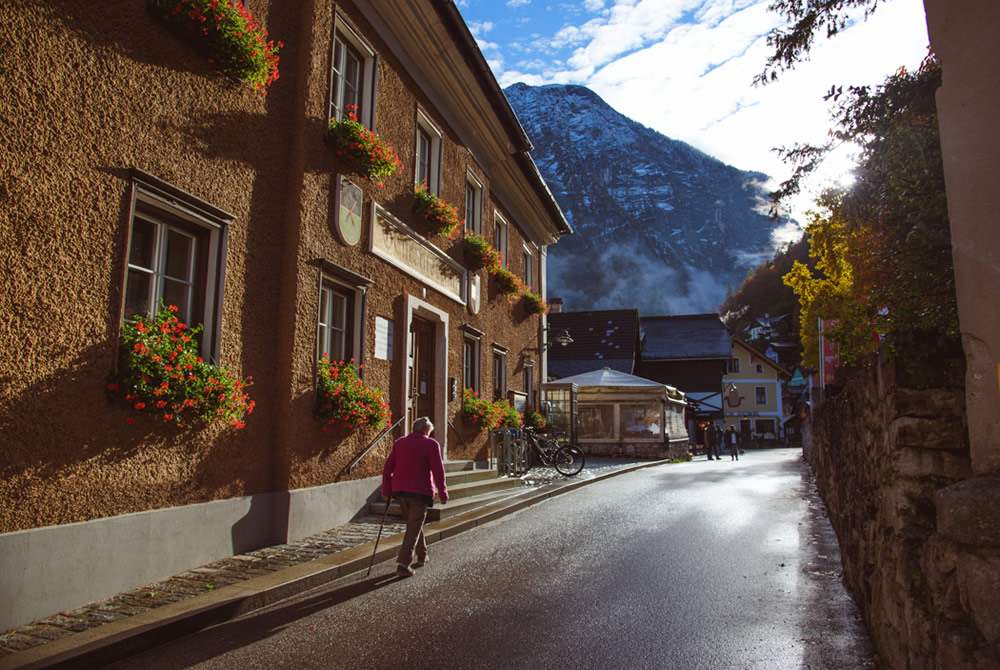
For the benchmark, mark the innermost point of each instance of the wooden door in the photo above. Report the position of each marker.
(422, 389)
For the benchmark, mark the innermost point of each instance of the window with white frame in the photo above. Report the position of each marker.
(428, 153)
(473, 205)
(760, 394)
(529, 274)
(334, 322)
(500, 236)
(339, 328)
(759, 368)
(352, 77)
(734, 365)
(499, 373)
(470, 362)
(175, 255)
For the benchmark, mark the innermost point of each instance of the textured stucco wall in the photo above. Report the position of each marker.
(88, 94)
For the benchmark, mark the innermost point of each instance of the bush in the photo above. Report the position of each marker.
(372, 157)
(534, 304)
(438, 213)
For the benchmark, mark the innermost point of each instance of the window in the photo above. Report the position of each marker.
(765, 426)
(500, 236)
(428, 153)
(760, 392)
(176, 253)
(339, 332)
(473, 205)
(734, 365)
(529, 382)
(640, 421)
(499, 374)
(334, 323)
(352, 78)
(528, 269)
(470, 362)
(759, 367)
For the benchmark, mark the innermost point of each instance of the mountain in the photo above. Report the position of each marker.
(660, 226)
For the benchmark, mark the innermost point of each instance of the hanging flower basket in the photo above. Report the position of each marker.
(441, 216)
(508, 283)
(161, 375)
(227, 34)
(533, 304)
(343, 399)
(371, 156)
(479, 254)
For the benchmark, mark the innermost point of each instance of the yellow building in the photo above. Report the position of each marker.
(751, 394)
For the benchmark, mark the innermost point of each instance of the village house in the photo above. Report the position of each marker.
(138, 172)
(752, 394)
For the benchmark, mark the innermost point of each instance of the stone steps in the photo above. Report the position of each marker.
(470, 484)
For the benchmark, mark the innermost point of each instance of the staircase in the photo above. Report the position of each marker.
(471, 484)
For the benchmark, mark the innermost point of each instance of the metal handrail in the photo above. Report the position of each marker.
(376, 441)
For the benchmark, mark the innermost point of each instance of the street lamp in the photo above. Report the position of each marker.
(562, 339)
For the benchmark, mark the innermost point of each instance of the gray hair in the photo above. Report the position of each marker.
(423, 425)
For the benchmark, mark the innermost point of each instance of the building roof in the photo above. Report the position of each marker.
(694, 336)
(601, 338)
(609, 377)
(763, 359)
(434, 37)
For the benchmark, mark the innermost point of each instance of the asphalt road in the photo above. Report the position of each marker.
(684, 566)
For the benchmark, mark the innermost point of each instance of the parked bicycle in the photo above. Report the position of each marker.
(566, 459)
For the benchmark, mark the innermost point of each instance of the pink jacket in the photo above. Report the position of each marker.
(414, 462)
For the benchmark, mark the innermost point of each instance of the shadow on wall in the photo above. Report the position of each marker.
(70, 456)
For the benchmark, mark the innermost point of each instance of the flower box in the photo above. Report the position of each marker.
(479, 254)
(161, 375)
(343, 399)
(508, 283)
(441, 216)
(367, 153)
(533, 304)
(227, 34)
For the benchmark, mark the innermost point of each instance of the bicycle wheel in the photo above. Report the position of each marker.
(569, 460)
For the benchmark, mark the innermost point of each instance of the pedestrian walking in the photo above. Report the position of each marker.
(733, 443)
(411, 475)
(711, 441)
(720, 441)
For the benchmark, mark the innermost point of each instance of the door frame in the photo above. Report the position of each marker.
(415, 307)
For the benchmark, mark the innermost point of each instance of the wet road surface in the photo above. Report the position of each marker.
(691, 565)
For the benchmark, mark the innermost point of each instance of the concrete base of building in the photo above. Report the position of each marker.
(41, 568)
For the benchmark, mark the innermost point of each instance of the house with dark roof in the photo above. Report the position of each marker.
(599, 339)
(688, 352)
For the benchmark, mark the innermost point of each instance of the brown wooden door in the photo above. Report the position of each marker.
(422, 389)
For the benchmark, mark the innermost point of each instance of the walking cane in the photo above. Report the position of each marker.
(384, 514)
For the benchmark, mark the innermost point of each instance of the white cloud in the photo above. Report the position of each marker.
(479, 28)
(693, 80)
(517, 3)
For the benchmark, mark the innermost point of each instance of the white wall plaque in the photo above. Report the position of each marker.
(383, 338)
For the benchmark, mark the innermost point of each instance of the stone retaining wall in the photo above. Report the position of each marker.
(651, 450)
(920, 538)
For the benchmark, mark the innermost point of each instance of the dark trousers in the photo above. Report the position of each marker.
(414, 512)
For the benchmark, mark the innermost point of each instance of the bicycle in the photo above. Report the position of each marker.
(567, 460)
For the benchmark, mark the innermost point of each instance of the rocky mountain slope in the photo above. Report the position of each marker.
(660, 226)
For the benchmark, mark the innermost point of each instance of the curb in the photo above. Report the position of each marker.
(116, 640)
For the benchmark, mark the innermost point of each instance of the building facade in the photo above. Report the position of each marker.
(752, 394)
(137, 172)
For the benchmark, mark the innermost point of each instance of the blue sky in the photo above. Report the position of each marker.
(685, 67)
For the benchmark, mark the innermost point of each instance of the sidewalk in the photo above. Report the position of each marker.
(102, 632)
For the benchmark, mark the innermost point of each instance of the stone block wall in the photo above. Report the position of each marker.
(920, 537)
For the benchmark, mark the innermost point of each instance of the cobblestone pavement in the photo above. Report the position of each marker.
(239, 568)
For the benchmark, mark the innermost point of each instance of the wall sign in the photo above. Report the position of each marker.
(383, 338)
(349, 199)
(397, 243)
